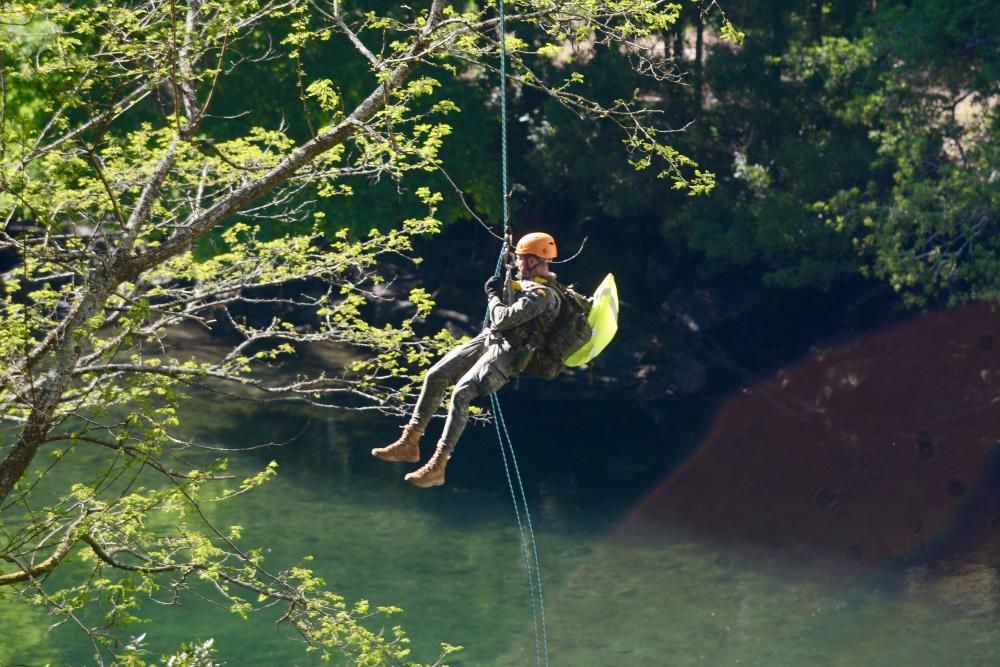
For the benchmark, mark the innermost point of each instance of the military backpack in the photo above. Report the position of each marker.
(569, 333)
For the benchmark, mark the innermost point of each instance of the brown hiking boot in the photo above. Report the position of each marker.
(406, 449)
(432, 472)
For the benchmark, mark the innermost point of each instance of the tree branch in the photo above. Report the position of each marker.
(199, 225)
(114, 111)
(146, 569)
(337, 18)
(61, 551)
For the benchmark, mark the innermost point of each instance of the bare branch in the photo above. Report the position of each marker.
(113, 112)
(351, 35)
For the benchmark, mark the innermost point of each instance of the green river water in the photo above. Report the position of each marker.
(451, 559)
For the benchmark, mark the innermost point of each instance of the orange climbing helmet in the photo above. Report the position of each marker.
(539, 244)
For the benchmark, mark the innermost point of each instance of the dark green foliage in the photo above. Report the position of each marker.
(848, 138)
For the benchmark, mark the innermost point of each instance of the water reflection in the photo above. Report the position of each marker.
(694, 601)
(965, 588)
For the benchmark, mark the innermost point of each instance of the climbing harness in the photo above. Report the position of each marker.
(529, 550)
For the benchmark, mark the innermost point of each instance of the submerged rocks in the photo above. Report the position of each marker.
(883, 448)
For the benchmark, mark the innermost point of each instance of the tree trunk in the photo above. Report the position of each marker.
(65, 347)
(47, 397)
(678, 35)
(699, 45)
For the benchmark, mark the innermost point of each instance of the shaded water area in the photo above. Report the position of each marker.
(843, 512)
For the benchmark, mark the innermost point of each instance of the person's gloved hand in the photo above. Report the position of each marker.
(494, 287)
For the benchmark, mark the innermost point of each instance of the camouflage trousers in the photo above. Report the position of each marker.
(477, 368)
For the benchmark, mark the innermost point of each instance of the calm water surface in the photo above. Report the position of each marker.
(657, 596)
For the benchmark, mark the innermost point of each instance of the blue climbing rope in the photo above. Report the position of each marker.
(504, 445)
(540, 620)
(525, 529)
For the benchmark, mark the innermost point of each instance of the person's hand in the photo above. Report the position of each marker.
(493, 287)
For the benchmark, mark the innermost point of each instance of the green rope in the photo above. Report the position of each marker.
(525, 529)
(503, 121)
(539, 619)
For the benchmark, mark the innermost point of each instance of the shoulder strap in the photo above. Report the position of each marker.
(559, 288)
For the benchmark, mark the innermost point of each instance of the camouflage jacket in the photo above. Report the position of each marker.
(533, 309)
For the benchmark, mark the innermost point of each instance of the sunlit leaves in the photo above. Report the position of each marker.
(323, 91)
(731, 33)
(679, 169)
(930, 229)
(139, 212)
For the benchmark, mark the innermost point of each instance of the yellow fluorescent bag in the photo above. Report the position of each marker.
(603, 320)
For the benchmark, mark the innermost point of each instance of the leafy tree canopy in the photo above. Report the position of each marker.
(194, 164)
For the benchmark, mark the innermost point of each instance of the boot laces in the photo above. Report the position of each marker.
(438, 457)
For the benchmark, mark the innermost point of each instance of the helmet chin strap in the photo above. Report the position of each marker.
(531, 263)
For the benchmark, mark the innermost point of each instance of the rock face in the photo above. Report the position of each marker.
(884, 448)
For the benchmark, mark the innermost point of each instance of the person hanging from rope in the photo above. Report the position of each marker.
(481, 366)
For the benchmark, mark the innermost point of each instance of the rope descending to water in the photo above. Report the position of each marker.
(527, 536)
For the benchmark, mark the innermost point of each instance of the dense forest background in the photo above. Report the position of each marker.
(764, 178)
(851, 144)
(856, 181)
